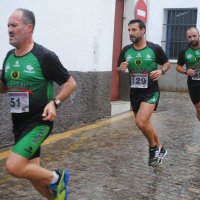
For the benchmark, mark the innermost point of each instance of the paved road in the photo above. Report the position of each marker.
(108, 159)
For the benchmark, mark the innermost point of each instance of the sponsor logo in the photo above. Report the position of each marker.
(16, 64)
(189, 56)
(129, 57)
(29, 150)
(19, 84)
(29, 69)
(39, 136)
(139, 55)
(148, 57)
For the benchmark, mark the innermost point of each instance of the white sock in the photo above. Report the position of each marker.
(55, 178)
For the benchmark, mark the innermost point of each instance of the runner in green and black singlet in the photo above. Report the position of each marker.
(28, 74)
(142, 58)
(29, 80)
(141, 63)
(190, 58)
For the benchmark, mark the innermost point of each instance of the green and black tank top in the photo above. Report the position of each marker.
(29, 79)
(191, 59)
(143, 61)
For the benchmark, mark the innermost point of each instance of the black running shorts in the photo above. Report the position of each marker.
(194, 94)
(149, 97)
(29, 138)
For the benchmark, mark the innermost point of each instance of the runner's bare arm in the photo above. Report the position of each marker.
(156, 74)
(67, 88)
(165, 67)
(180, 69)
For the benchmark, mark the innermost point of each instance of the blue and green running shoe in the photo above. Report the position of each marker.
(60, 189)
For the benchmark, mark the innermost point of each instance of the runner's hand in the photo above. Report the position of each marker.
(49, 113)
(123, 66)
(156, 74)
(190, 72)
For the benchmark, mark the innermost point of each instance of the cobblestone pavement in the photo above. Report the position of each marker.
(108, 159)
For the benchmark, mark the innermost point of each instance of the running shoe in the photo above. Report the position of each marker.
(60, 189)
(163, 153)
(154, 157)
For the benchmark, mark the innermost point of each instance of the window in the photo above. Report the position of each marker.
(177, 21)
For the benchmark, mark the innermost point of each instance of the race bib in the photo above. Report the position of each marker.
(196, 75)
(19, 102)
(139, 80)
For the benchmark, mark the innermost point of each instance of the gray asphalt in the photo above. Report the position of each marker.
(108, 160)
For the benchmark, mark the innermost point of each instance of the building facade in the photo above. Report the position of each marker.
(88, 36)
(167, 21)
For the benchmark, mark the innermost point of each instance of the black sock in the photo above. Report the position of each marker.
(154, 147)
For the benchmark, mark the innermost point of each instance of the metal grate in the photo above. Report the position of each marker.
(178, 21)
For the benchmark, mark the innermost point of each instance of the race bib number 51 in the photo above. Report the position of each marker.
(139, 80)
(19, 102)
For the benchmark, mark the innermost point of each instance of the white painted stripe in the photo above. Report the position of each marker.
(141, 13)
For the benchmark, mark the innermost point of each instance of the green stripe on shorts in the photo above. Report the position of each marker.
(154, 98)
(30, 143)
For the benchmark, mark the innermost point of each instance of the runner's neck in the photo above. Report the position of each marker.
(23, 50)
(140, 45)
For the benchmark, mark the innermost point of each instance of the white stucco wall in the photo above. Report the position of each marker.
(80, 32)
(129, 14)
(155, 15)
(129, 9)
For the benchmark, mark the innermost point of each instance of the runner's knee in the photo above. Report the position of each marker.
(13, 169)
(141, 124)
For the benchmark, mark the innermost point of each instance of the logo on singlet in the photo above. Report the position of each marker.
(16, 64)
(197, 58)
(128, 58)
(139, 55)
(148, 57)
(189, 56)
(29, 69)
(138, 62)
(15, 75)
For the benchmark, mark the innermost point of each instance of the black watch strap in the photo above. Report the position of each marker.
(163, 72)
(57, 103)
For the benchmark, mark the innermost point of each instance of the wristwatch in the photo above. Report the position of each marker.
(163, 72)
(57, 103)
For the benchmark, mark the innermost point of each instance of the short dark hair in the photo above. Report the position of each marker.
(28, 16)
(140, 22)
(193, 27)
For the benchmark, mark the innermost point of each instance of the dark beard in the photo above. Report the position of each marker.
(194, 44)
(135, 40)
